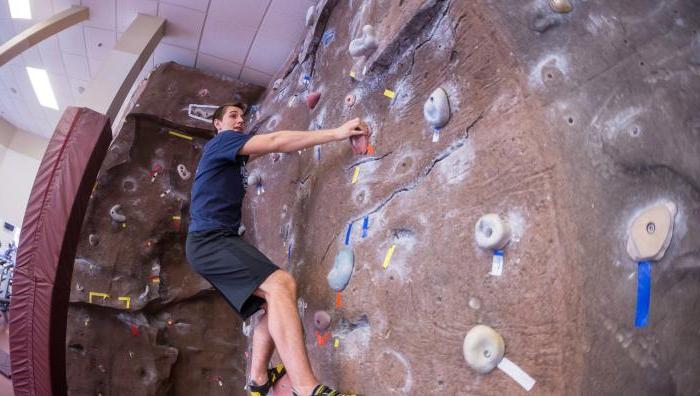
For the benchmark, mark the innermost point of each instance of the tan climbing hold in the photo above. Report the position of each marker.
(483, 348)
(561, 6)
(651, 232)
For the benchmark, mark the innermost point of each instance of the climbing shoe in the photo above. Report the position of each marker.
(273, 375)
(323, 390)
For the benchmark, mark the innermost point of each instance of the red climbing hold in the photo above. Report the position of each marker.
(134, 330)
(360, 143)
(312, 99)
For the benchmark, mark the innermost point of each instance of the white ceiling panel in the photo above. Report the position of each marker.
(102, 14)
(293, 8)
(128, 9)
(41, 9)
(32, 57)
(165, 53)
(217, 65)
(53, 62)
(99, 42)
(72, 40)
(267, 54)
(76, 66)
(226, 40)
(255, 77)
(94, 65)
(277, 25)
(240, 12)
(49, 44)
(60, 5)
(184, 25)
(199, 5)
(7, 29)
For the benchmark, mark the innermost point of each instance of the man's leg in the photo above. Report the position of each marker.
(279, 290)
(263, 346)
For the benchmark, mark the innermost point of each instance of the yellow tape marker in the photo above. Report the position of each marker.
(96, 294)
(387, 258)
(176, 217)
(356, 175)
(180, 135)
(336, 343)
(128, 301)
(389, 94)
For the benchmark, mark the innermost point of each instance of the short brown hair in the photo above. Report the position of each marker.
(219, 113)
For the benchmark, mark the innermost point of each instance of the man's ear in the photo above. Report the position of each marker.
(217, 124)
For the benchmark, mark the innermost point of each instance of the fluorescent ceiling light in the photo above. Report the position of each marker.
(19, 9)
(42, 87)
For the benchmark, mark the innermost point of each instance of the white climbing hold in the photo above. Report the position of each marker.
(364, 45)
(561, 6)
(339, 276)
(254, 179)
(277, 84)
(436, 109)
(241, 230)
(492, 232)
(483, 348)
(115, 215)
(183, 172)
(651, 231)
(310, 15)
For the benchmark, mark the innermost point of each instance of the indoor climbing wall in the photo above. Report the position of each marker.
(525, 218)
(522, 219)
(141, 322)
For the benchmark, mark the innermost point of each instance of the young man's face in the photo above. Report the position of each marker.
(231, 120)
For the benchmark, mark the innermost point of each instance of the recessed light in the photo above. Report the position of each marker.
(42, 87)
(20, 9)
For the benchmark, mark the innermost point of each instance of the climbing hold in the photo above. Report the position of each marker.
(483, 348)
(651, 231)
(310, 15)
(312, 99)
(560, 6)
(436, 109)
(241, 230)
(339, 276)
(364, 45)
(254, 179)
(322, 320)
(360, 143)
(93, 239)
(277, 84)
(350, 100)
(492, 232)
(115, 215)
(183, 172)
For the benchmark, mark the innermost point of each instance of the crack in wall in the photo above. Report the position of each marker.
(415, 182)
(366, 160)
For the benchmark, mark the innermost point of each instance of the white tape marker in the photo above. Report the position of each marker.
(516, 373)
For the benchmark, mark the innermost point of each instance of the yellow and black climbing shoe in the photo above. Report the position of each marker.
(273, 375)
(323, 390)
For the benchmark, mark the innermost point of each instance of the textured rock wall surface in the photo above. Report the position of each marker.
(567, 125)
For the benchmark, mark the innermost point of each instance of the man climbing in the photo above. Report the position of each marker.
(248, 280)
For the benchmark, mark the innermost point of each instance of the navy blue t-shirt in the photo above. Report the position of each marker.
(219, 184)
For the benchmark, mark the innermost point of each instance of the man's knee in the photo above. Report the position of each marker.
(280, 282)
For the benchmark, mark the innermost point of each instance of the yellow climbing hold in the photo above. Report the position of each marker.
(389, 94)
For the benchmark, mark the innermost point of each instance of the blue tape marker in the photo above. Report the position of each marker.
(643, 293)
(318, 153)
(327, 37)
(347, 234)
(365, 226)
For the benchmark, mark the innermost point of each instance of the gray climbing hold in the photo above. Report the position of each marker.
(364, 45)
(436, 109)
(339, 276)
(310, 15)
(322, 320)
(93, 239)
(560, 6)
(115, 215)
(183, 172)
(542, 23)
(483, 348)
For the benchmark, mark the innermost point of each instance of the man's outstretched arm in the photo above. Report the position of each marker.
(290, 141)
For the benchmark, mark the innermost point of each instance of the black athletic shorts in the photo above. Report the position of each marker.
(232, 266)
